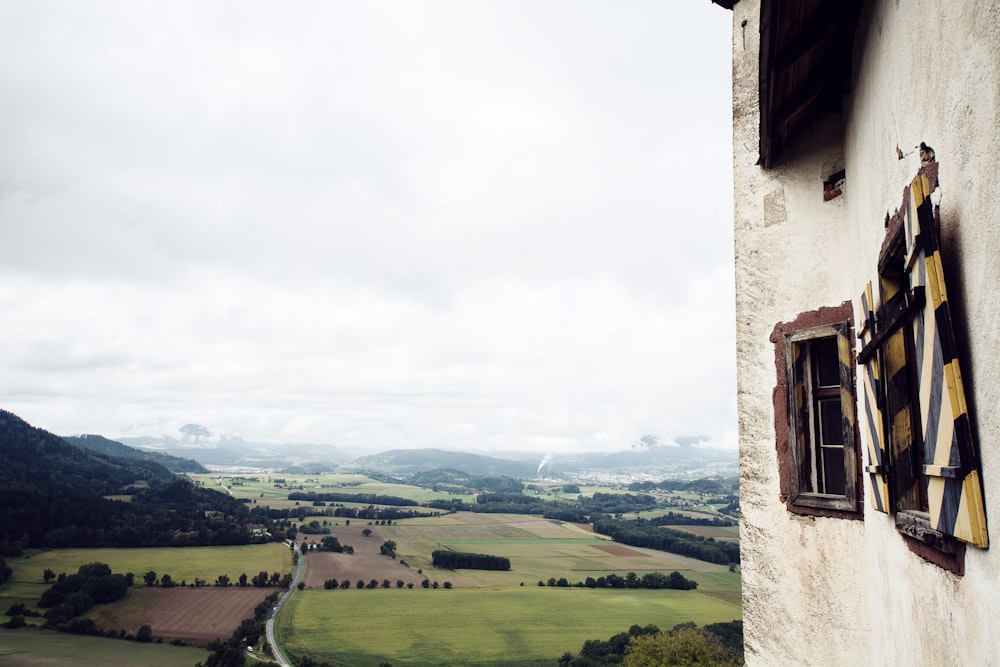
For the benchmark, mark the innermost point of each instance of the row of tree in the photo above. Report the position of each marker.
(332, 584)
(640, 533)
(456, 560)
(650, 580)
(370, 498)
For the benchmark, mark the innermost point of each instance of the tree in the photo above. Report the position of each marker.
(360, 584)
(149, 578)
(222, 580)
(48, 575)
(167, 581)
(366, 532)
(399, 583)
(388, 548)
(145, 634)
(682, 646)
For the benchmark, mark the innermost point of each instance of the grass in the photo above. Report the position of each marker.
(185, 563)
(520, 626)
(40, 647)
(512, 624)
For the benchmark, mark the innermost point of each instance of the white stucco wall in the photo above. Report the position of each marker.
(833, 591)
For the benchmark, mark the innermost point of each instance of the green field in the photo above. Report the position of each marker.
(511, 623)
(181, 563)
(26, 648)
(521, 626)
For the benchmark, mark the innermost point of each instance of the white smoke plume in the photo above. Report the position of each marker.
(546, 461)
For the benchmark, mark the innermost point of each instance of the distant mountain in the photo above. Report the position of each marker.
(102, 445)
(228, 451)
(674, 458)
(407, 461)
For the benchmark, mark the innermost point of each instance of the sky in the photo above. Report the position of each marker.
(471, 224)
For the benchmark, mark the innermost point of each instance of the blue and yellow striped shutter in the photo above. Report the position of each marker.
(954, 491)
(872, 427)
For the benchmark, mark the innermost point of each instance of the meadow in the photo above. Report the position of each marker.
(514, 620)
(520, 626)
(31, 648)
(183, 564)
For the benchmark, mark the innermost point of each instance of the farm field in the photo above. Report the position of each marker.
(38, 648)
(522, 626)
(197, 614)
(181, 563)
(366, 563)
(538, 549)
(513, 619)
(263, 488)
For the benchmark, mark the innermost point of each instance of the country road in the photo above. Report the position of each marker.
(271, 641)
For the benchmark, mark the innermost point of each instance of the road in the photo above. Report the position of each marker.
(271, 641)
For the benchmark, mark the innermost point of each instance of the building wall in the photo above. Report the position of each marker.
(839, 591)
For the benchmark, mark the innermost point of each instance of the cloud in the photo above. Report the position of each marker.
(452, 224)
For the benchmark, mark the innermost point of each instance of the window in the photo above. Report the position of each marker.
(922, 465)
(814, 414)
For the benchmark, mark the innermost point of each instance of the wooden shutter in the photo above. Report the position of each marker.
(954, 490)
(872, 425)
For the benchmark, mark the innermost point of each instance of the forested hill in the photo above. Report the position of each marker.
(52, 495)
(33, 456)
(102, 445)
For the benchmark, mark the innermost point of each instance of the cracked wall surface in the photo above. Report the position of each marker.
(821, 590)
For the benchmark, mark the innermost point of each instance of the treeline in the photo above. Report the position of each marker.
(457, 560)
(338, 497)
(449, 479)
(705, 486)
(679, 519)
(650, 580)
(74, 595)
(718, 644)
(617, 503)
(576, 510)
(176, 514)
(640, 533)
(495, 503)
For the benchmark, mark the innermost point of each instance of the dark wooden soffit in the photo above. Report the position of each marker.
(728, 4)
(805, 66)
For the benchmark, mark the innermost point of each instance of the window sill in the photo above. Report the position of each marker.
(929, 544)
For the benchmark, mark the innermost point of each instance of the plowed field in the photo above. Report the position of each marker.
(203, 613)
(366, 563)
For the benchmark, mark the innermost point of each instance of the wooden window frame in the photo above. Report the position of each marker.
(793, 429)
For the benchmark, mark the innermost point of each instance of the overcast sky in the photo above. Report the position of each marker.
(473, 224)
